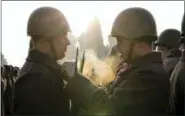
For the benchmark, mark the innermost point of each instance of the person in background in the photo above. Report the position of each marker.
(168, 44)
(8, 91)
(15, 73)
(3, 88)
(177, 80)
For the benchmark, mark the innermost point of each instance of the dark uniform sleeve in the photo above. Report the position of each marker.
(87, 96)
(131, 97)
(36, 95)
(177, 89)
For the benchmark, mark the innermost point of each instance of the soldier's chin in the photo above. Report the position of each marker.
(61, 56)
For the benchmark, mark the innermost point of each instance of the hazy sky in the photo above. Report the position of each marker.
(168, 14)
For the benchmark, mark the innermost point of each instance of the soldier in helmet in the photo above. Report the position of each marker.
(177, 80)
(39, 86)
(167, 40)
(141, 86)
(169, 46)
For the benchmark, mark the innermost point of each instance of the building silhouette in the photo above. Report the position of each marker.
(92, 39)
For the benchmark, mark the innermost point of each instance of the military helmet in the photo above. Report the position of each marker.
(169, 38)
(47, 22)
(134, 23)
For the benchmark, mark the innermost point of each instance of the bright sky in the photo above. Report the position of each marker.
(168, 14)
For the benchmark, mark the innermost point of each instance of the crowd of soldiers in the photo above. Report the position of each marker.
(148, 82)
(8, 77)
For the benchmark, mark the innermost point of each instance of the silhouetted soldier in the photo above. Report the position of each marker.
(39, 86)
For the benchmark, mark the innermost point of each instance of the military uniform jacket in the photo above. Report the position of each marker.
(177, 80)
(171, 60)
(141, 89)
(39, 87)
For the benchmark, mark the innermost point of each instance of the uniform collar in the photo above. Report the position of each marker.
(43, 58)
(147, 59)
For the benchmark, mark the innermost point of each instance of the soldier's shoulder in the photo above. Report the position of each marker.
(32, 69)
(150, 73)
(27, 76)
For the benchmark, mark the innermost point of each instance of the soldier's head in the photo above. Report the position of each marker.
(182, 40)
(10, 74)
(167, 40)
(7, 69)
(134, 30)
(15, 71)
(48, 29)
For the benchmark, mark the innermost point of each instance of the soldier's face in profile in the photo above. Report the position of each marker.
(60, 43)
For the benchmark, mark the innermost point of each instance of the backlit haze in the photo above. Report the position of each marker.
(15, 42)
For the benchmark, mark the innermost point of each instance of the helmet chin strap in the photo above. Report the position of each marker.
(130, 53)
(52, 48)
